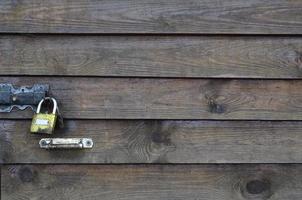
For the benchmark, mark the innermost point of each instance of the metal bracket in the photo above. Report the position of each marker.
(22, 97)
(66, 143)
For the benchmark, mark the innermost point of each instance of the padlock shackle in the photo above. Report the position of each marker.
(55, 104)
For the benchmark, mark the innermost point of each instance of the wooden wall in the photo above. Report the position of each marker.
(195, 100)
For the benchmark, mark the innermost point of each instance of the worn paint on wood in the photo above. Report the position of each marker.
(134, 98)
(156, 182)
(159, 142)
(152, 56)
(149, 16)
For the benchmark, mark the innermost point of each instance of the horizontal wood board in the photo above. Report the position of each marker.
(152, 141)
(136, 98)
(156, 182)
(152, 56)
(149, 16)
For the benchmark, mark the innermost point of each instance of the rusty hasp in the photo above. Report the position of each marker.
(66, 143)
(21, 97)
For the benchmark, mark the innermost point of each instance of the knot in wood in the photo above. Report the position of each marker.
(256, 189)
(161, 138)
(257, 186)
(214, 107)
(298, 60)
(26, 174)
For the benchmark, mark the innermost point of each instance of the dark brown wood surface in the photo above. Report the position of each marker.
(135, 98)
(152, 56)
(184, 100)
(153, 182)
(149, 16)
(153, 141)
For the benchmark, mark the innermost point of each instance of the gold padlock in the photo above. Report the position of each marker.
(44, 122)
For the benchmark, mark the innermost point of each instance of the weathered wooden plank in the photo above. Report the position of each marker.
(159, 142)
(135, 98)
(152, 56)
(149, 16)
(156, 182)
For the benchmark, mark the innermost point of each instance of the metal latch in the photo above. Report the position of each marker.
(66, 143)
(22, 97)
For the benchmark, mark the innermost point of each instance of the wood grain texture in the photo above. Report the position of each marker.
(152, 56)
(154, 141)
(136, 98)
(156, 182)
(148, 16)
